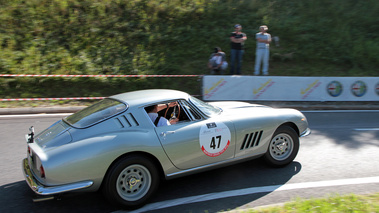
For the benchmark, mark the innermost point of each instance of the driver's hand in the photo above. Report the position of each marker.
(174, 121)
(172, 104)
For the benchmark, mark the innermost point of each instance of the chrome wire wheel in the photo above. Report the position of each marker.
(281, 147)
(134, 182)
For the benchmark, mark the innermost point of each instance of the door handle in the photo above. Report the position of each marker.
(163, 134)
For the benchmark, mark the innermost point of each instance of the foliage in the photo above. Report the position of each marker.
(176, 37)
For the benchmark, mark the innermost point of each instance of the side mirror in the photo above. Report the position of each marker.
(30, 136)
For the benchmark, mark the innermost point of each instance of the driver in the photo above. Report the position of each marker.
(152, 111)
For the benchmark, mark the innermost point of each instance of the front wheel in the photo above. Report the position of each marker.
(131, 181)
(283, 147)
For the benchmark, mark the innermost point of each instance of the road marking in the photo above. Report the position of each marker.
(338, 111)
(253, 190)
(35, 115)
(367, 129)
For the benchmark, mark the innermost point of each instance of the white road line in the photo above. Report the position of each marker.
(337, 111)
(367, 129)
(253, 190)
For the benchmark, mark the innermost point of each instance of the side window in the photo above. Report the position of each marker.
(177, 112)
(166, 113)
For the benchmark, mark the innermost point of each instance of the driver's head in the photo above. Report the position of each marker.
(217, 49)
(153, 108)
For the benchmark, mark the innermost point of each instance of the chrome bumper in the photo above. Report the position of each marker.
(306, 132)
(40, 189)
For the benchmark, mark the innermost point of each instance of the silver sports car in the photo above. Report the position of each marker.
(126, 143)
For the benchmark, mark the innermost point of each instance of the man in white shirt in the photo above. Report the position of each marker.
(152, 111)
(263, 50)
(217, 63)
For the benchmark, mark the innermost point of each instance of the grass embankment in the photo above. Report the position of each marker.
(337, 203)
(317, 38)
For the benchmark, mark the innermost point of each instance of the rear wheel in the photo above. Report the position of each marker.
(131, 181)
(283, 147)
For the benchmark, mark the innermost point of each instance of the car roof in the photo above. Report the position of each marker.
(144, 97)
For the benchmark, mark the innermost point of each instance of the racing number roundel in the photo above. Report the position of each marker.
(214, 138)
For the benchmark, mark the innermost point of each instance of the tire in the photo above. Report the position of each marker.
(131, 181)
(283, 147)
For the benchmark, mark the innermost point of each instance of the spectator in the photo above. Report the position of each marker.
(217, 63)
(237, 39)
(263, 50)
(276, 40)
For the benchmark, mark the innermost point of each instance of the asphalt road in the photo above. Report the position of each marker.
(340, 156)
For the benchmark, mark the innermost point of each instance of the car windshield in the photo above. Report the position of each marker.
(95, 113)
(206, 108)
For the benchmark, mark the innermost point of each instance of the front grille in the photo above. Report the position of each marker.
(251, 140)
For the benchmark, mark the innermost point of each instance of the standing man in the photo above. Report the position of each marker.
(237, 39)
(263, 50)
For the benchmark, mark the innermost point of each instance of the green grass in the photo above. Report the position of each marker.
(336, 203)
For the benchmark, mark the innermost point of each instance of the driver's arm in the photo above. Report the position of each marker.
(164, 106)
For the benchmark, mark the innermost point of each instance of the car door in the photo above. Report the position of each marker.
(198, 142)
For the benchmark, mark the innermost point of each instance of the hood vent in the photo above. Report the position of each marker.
(251, 140)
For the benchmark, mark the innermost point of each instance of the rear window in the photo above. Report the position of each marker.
(102, 110)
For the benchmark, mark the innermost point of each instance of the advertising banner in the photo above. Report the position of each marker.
(279, 88)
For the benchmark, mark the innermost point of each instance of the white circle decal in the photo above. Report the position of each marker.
(214, 138)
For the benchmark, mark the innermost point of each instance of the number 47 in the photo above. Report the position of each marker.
(213, 142)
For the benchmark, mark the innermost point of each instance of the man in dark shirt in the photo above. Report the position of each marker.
(237, 39)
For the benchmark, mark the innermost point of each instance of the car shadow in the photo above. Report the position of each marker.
(17, 197)
(228, 180)
(340, 128)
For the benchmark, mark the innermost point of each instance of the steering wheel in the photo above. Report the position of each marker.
(175, 112)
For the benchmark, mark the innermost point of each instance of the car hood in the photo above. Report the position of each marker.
(243, 109)
(56, 135)
(224, 105)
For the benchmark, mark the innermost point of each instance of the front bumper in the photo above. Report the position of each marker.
(306, 132)
(40, 189)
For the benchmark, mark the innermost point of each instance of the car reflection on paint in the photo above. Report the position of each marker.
(114, 145)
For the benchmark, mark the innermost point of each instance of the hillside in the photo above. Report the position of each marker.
(317, 38)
